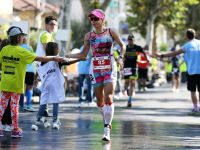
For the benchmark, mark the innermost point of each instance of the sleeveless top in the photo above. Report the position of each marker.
(102, 51)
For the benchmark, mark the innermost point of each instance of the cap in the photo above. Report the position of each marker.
(97, 13)
(130, 36)
(14, 30)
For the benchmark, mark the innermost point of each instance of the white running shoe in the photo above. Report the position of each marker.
(8, 128)
(106, 135)
(82, 104)
(43, 122)
(56, 125)
(34, 127)
(40, 122)
(47, 124)
(92, 104)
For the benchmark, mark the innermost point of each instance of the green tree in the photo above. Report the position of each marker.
(175, 19)
(144, 15)
(192, 20)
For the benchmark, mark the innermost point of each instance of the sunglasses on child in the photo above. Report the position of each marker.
(94, 19)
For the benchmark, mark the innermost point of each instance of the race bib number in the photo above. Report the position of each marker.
(101, 63)
(127, 71)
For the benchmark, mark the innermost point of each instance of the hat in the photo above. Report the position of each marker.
(97, 13)
(14, 30)
(130, 36)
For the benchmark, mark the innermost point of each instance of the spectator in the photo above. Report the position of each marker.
(52, 88)
(29, 79)
(175, 72)
(83, 70)
(14, 59)
(143, 65)
(191, 51)
(44, 37)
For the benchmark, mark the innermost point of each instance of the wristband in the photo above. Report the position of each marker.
(120, 56)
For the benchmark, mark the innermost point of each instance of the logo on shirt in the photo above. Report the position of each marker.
(11, 59)
(49, 71)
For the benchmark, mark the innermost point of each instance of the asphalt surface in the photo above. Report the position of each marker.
(159, 119)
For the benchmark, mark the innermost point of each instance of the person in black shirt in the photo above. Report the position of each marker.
(175, 72)
(130, 67)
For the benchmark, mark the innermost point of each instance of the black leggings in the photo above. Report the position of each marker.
(6, 119)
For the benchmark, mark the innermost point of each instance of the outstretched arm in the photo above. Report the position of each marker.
(49, 58)
(70, 62)
(83, 54)
(170, 54)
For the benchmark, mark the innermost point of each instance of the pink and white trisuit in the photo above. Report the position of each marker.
(103, 67)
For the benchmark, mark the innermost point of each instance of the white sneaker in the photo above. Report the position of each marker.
(47, 124)
(173, 89)
(8, 128)
(92, 104)
(177, 91)
(43, 122)
(116, 97)
(106, 135)
(34, 127)
(56, 125)
(82, 104)
(120, 94)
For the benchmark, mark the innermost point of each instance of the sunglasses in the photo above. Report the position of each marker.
(94, 19)
(52, 24)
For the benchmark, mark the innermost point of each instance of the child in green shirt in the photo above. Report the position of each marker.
(14, 59)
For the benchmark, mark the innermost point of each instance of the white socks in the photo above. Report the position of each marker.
(101, 110)
(108, 112)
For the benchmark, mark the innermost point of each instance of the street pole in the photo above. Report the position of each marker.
(64, 21)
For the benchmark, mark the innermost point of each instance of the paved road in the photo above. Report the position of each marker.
(159, 119)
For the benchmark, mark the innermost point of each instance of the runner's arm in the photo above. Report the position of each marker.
(120, 42)
(83, 54)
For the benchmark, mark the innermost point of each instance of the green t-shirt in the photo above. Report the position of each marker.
(168, 67)
(14, 60)
(183, 66)
(46, 37)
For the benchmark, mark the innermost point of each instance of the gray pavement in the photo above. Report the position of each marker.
(159, 119)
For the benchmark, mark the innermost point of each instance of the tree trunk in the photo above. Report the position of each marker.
(154, 45)
(150, 33)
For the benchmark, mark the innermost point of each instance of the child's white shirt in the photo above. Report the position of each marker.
(52, 83)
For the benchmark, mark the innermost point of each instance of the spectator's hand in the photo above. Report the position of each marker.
(67, 55)
(66, 59)
(59, 59)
